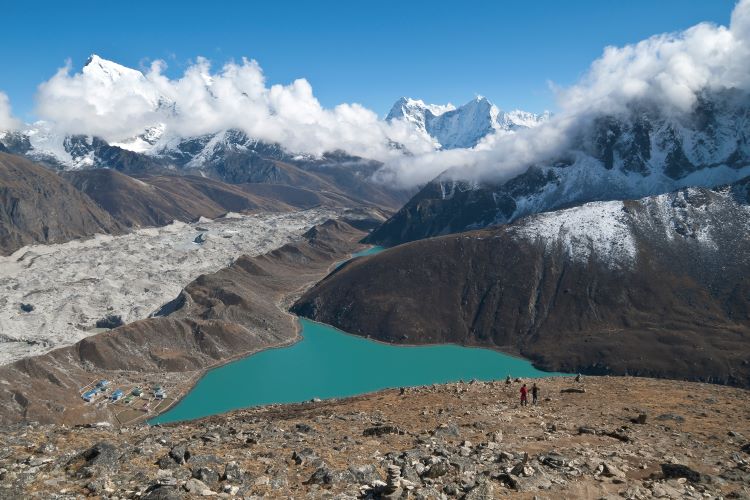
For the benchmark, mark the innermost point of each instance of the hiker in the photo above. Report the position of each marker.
(524, 395)
(534, 394)
(578, 377)
(507, 380)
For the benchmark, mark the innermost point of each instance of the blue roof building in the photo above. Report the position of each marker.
(117, 394)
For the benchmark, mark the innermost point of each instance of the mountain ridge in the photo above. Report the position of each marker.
(37, 206)
(578, 290)
(639, 153)
(463, 127)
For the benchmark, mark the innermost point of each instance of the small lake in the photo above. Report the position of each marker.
(328, 363)
(362, 253)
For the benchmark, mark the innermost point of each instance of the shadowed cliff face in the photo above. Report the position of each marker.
(37, 206)
(658, 287)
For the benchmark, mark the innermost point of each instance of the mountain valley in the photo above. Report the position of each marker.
(216, 281)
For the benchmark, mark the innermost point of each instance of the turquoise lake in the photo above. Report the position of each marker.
(328, 363)
(369, 251)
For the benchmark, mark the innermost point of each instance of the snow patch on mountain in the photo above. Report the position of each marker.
(597, 229)
(614, 231)
(145, 142)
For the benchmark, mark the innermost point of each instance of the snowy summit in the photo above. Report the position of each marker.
(462, 127)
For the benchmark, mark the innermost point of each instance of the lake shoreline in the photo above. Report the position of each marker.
(282, 304)
(340, 365)
(299, 336)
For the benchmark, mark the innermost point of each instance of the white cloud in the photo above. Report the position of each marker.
(7, 121)
(666, 70)
(116, 103)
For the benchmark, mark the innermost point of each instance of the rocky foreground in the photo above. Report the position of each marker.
(603, 437)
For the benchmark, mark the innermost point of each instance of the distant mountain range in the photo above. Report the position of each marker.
(447, 127)
(641, 152)
(625, 253)
(462, 127)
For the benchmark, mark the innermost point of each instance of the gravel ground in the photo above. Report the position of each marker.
(603, 438)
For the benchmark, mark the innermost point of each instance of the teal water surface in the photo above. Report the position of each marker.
(328, 363)
(362, 253)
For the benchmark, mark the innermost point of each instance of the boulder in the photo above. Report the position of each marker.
(676, 471)
(233, 472)
(180, 453)
(197, 487)
(483, 491)
(161, 492)
(206, 475)
(509, 480)
(381, 430)
(610, 470)
(303, 456)
(447, 430)
(324, 475)
(554, 460)
(166, 462)
(101, 454)
(303, 428)
(640, 419)
(437, 469)
(365, 474)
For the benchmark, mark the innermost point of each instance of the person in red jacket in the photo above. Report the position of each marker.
(524, 395)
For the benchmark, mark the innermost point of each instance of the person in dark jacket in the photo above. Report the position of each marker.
(534, 394)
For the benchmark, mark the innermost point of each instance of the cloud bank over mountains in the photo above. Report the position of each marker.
(668, 71)
(115, 103)
(7, 121)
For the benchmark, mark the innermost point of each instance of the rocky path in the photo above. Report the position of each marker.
(601, 438)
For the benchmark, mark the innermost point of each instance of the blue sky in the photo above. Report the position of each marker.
(370, 52)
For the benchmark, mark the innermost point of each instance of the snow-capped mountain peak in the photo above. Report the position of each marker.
(461, 127)
(414, 110)
(105, 71)
(522, 119)
(106, 80)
